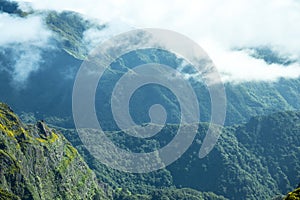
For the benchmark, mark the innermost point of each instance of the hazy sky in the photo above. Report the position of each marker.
(220, 27)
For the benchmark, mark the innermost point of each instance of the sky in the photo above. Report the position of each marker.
(219, 27)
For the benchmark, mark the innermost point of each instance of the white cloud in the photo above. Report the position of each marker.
(229, 24)
(19, 30)
(26, 38)
(27, 61)
(94, 36)
(238, 66)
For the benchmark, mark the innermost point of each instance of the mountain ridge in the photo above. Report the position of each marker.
(256, 157)
(241, 165)
(57, 72)
(37, 163)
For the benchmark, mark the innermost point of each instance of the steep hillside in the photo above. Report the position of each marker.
(70, 28)
(256, 157)
(256, 160)
(38, 163)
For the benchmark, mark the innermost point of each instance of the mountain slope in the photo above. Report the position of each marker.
(53, 80)
(38, 163)
(255, 160)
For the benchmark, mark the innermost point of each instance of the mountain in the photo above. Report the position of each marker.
(254, 160)
(39, 163)
(256, 157)
(251, 161)
(47, 91)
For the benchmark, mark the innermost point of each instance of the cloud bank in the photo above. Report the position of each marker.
(220, 27)
(25, 38)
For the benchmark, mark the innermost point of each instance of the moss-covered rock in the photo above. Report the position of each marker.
(36, 162)
(295, 195)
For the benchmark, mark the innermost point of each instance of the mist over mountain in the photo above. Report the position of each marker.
(41, 50)
(38, 77)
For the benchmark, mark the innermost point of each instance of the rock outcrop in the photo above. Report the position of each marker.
(36, 162)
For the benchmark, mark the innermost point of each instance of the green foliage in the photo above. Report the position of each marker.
(43, 166)
(70, 154)
(5, 195)
(184, 194)
(256, 160)
(167, 194)
(70, 27)
(50, 139)
(244, 100)
(295, 195)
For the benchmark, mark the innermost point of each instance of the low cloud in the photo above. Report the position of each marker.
(229, 24)
(25, 39)
(239, 66)
(22, 30)
(95, 36)
(27, 60)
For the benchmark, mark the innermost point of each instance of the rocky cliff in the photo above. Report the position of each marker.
(36, 162)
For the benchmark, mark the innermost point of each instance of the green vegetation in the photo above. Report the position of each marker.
(70, 27)
(244, 100)
(46, 166)
(5, 195)
(70, 154)
(294, 195)
(167, 194)
(52, 138)
(43, 166)
(255, 160)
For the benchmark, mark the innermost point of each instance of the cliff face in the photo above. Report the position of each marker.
(38, 163)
